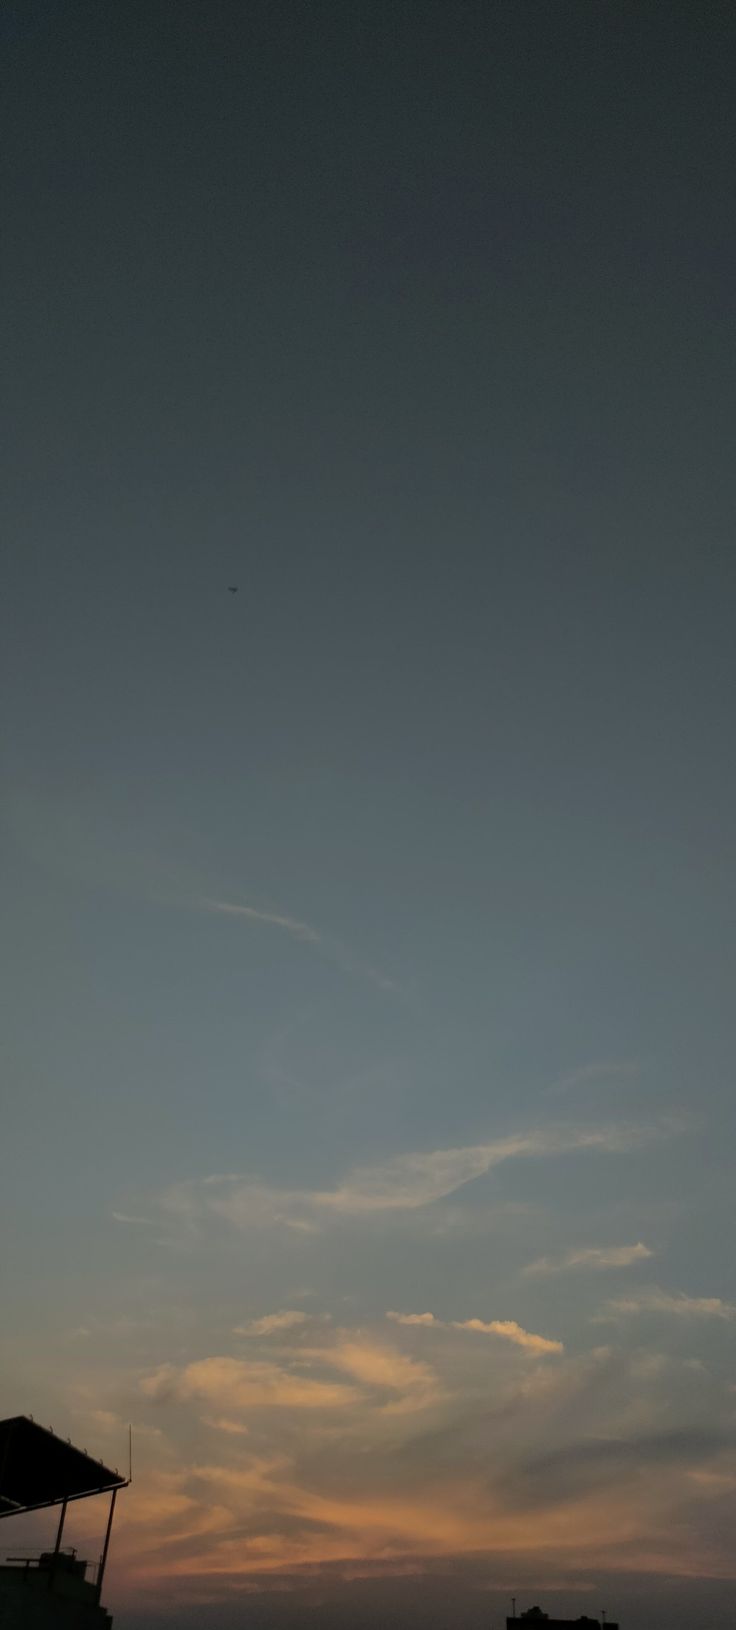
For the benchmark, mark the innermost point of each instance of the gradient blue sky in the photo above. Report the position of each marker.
(369, 934)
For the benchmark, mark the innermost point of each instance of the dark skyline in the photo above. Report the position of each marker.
(369, 942)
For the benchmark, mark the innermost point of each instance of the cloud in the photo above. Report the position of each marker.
(237, 1383)
(305, 934)
(412, 1318)
(581, 1465)
(378, 1367)
(597, 1257)
(576, 1465)
(655, 1300)
(375, 1365)
(103, 1419)
(511, 1331)
(507, 1328)
(613, 1504)
(232, 1384)
(402, 1183)
(290, 925)
(223, 1423)
(409, 1181)
(589, 1075)
(272, 1323)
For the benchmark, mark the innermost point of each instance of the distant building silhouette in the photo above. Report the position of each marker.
(50, 1589)
(534, 1617)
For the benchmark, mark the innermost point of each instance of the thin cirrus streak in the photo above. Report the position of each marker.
(403, 1183)
(597, 1257)
(305, 934)
(591, 1075)
(291, 925)
(408, 1181)
(681, 1306)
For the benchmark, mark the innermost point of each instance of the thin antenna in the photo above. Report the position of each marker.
(130, 1453)
(513, 1607)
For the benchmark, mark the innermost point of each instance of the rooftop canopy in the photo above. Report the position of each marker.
(38, 1469)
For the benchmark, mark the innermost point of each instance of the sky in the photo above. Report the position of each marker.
(368, 933)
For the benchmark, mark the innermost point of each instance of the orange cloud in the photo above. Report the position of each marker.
(223, 1424)
(272, 1323)
(574, 1461)
(379, 1366)
(412, 1318)
(511, 1331)
(567, 1477)
(508, 1328)
(237, 1383)
(631, 1526)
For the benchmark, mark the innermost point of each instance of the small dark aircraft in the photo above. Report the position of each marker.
(233, 587)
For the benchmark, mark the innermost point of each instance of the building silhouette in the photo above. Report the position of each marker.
(535, 1619)
(50, 1589)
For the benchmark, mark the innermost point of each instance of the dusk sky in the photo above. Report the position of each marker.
(367, 1136)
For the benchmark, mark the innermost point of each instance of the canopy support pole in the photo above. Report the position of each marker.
(106, 1545)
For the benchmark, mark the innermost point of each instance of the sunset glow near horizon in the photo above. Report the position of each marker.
(369, 803)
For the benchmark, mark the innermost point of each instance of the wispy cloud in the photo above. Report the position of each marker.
(376, 1366)
(402, 1183)
(272, 1323)
(412, 1318)
(223, 1423)
(581, 1460)
(511, 1331)
(290, 925)
(508, 1329)
(413, 1180)
(595, 1257)
(592, 1075)
(241, 1384)
(305, 934)
(681, 1306)
(236, 1385)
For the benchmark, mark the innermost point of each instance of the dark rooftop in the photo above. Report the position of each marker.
(38, 1469)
